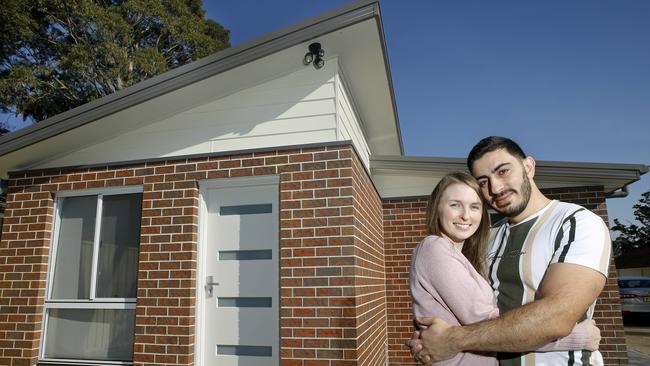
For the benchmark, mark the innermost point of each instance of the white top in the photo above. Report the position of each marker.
(520, 254)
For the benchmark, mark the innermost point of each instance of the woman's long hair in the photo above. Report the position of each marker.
(475, 247)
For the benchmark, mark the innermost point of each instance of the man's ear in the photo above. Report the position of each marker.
(529, 166)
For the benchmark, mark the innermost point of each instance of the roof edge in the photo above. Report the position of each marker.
(544, 167)
(612, 176)
(157, 160)
(423, 161)
(182, 76)
(389, 76)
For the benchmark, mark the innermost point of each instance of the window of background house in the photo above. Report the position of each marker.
(90, 303)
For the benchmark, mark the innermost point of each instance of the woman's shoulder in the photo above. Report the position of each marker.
(435, 240)
(433, 244)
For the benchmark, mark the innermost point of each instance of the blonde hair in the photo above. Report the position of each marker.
(475, 247)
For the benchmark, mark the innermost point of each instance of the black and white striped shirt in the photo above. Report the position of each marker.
(520, 254)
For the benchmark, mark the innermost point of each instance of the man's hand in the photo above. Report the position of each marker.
(437, 343)
(415, 346)
(433, 343)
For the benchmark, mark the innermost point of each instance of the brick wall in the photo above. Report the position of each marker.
(164, 333)
(404, 228)
(164, 321)
(370, 270)
(24, 252)
(317, 260)
(331, 262)
(608, 308)
(332, 289)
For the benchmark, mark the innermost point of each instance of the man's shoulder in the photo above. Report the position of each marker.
(581, 214)
(562, 206)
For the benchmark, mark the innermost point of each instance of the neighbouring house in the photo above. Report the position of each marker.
(634, 263)
(244, 209)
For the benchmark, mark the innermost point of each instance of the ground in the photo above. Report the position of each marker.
(637, 335)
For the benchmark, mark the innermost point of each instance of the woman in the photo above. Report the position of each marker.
(446, 268)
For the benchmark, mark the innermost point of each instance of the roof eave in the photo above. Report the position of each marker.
(219, 62)
(628, 173)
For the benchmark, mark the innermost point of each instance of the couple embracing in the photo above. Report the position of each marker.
(519, 293)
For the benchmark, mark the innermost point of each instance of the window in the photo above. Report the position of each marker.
(90, 303)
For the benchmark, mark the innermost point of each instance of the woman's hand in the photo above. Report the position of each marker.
(593, 332)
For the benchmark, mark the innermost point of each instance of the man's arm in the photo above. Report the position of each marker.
(565, 294)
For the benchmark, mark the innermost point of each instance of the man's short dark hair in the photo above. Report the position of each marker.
(493, 143)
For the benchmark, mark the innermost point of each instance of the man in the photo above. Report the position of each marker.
(547, 264)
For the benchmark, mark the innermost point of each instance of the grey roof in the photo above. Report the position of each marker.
(216, 63)
(445, 163)
(611, 175)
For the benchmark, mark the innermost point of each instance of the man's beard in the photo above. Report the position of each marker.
(514, 210)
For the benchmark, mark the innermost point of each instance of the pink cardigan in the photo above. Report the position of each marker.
(445, 285)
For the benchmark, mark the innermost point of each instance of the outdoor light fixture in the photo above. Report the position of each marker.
(315, 56)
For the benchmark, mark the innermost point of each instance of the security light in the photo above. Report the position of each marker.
(315, 56)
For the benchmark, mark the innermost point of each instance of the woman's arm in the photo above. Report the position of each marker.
(447, 276)
(585, 335)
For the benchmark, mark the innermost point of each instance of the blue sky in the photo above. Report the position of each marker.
(568, 80)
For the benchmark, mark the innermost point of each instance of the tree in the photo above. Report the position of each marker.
(59, 54)
(634, 236)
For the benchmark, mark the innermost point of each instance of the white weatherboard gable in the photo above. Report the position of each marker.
(349, 126)
(304, 107)
(253, 96)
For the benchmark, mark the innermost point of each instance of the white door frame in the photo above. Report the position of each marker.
(204, 186)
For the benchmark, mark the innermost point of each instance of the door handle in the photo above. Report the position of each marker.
(209, 285)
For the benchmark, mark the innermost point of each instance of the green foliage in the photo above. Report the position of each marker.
(59, 54)
(634, 236)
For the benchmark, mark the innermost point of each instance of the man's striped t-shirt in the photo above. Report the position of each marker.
(520, 254)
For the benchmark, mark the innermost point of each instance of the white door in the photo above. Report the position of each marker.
(240, 284)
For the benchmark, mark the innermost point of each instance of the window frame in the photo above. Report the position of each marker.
(93, 302)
